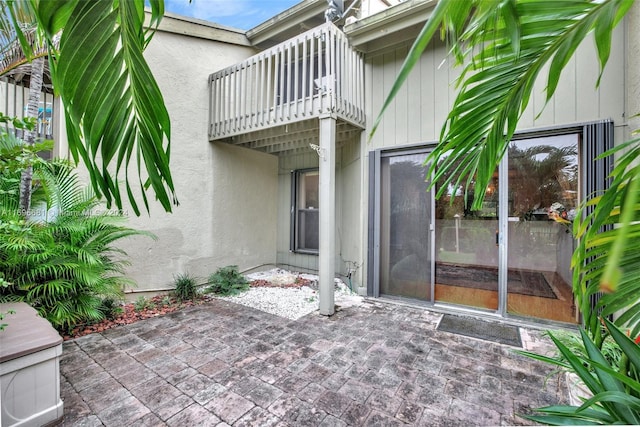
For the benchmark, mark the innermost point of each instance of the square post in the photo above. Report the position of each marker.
(327, 225)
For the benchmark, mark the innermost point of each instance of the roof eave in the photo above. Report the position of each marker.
(290, 18)
(192, 27)
(365, 33)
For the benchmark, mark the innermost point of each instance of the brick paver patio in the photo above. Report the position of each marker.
(377, 364)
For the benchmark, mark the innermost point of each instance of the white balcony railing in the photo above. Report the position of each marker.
(314, 73)
(14, 98)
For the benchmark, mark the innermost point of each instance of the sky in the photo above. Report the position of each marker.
(242, 14)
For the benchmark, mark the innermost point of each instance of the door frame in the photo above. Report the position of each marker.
(375, 177)
(595, 137)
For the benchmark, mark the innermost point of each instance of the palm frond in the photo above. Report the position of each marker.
(478, 132)
(504, 46)
(63, 267)
(115, 110)
(607, 261)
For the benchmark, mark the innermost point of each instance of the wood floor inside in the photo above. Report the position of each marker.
(561, 309)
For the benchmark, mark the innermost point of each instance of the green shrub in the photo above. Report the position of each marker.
(66, 266)
(227, 281)
(186, 286)
(610, 350)
(111, 308)
(141, 303)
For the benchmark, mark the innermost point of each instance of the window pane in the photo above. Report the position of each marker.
(308, 191)
(543, 194)
(405, 215)
(308, 229)
(466, 247)
(307, 211)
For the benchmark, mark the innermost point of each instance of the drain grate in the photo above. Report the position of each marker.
(476, 328)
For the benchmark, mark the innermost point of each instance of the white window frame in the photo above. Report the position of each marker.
(299, 209)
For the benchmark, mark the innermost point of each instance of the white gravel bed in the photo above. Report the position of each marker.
(291, 303)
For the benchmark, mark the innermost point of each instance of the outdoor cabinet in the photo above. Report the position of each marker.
(30, 350)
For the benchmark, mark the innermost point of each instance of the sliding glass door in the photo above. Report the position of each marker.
(466, 259)
(512, 256)
(405, 217)
(543, 195)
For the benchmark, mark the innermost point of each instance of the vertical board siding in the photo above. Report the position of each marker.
(285, 257)
(403, 125)
(420, 108)
(347, 207)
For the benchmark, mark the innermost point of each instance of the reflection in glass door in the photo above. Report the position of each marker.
(511, 256)
(405, 215)
(466, 264)
(543, 194)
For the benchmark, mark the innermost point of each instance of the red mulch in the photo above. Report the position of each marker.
(299, 282)
(131, 315)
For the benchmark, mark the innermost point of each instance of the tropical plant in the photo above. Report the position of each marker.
(3, 326)
(111, 308)
(66, 266)
(615, 389)
(227, 281)
(186, 286)
(114, 110)
(24, 21)
(141, 303)
(573, 341)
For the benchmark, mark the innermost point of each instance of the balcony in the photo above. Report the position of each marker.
(269, 101)
(14, 97)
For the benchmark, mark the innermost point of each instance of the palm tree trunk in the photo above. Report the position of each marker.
(35, 89)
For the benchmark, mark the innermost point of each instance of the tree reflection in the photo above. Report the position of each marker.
(540, 176)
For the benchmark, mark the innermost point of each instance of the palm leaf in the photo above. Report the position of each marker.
(569, 415)
(113, 104)
(608, 260)
(497, 80)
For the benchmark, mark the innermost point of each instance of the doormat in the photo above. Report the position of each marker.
(522, 282)
(489, 331)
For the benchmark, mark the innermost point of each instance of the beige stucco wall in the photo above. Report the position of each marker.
(227, 212)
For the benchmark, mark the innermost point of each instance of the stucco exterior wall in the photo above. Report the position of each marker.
(227, 212)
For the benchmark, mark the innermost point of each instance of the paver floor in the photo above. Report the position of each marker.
(220, 363)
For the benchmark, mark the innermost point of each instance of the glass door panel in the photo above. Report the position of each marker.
(405, 215)
(466, 264)
(543, 194)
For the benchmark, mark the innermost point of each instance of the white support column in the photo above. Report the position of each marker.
(327, 201)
